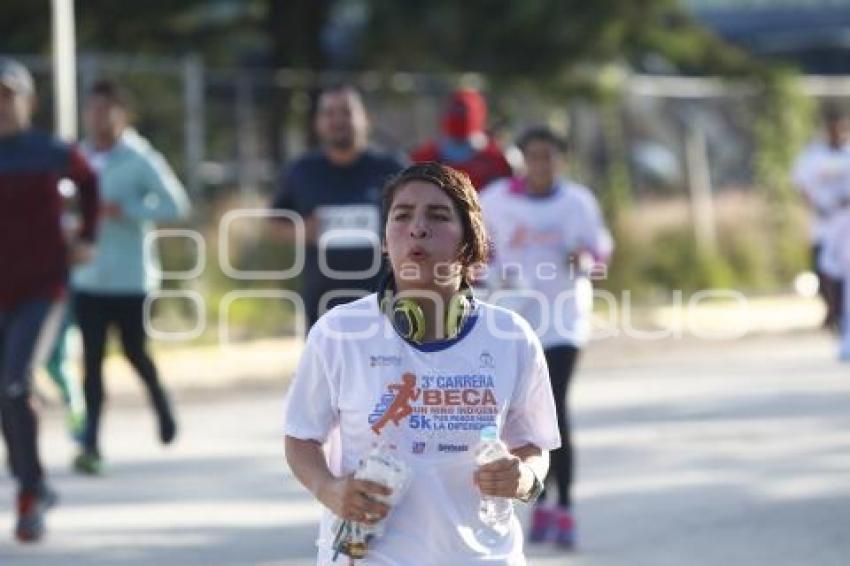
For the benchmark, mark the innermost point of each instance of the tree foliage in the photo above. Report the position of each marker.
(540, 39)
(218, 30)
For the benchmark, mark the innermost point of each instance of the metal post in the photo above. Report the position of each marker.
(699, 185)
(193, 101)
(246, 136)
(64, 69)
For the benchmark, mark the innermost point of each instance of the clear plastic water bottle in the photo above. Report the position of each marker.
(495, 512)
(384, 466)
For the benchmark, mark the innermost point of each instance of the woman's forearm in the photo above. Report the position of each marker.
(346, 497)
(307, 461)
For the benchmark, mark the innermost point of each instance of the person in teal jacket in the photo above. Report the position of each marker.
(138, 188)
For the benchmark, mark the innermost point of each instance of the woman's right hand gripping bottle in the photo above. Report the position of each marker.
(383, 465)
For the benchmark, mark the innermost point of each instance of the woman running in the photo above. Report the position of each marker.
(549, 237)
(137, 188)
(423, 366)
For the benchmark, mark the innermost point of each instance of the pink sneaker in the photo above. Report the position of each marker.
(541, 523)
(565, 528)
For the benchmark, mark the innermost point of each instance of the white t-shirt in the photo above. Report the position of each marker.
(834, 260)
(533, 238)
(822, 174)
(356, 373)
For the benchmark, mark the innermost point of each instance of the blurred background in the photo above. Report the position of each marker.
(226, 90)
(684, 117)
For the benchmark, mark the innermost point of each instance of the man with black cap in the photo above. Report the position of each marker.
(34, 260)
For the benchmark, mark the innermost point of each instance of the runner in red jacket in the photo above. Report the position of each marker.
(465, 145)
(34, 259)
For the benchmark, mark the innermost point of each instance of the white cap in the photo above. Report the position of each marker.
(16, 77)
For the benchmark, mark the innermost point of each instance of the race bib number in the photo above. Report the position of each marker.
(348, 226)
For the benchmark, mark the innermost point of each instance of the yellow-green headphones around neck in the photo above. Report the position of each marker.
(408, 318)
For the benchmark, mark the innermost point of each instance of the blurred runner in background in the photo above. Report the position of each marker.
(138, 189)
(822, 175)
(34, 261)
(464, 144)
(336, 191)
(548, 234)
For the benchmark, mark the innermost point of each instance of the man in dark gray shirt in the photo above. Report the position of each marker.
(336, 191)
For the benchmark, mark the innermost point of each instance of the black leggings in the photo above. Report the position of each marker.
(831, 290)
(561, 361)
(95, 314)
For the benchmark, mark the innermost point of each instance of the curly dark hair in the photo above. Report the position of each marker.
(475, 248)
